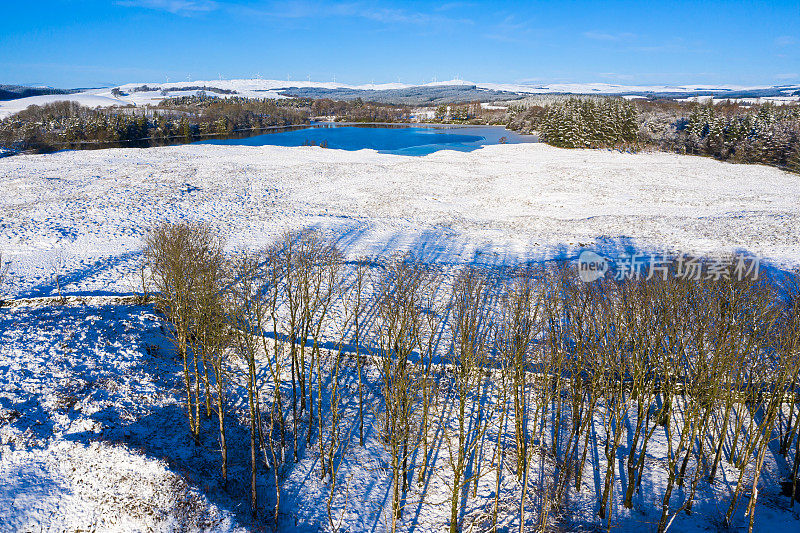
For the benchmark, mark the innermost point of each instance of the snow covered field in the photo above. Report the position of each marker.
(78, 392)
(83, 214)
(92, 434)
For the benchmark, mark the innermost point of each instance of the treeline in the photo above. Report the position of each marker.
(202, 88)
(12, 92)
(360, 111)
(765, 133)
(513, 380)
(67, 124)
(470, 113)
(224, 115)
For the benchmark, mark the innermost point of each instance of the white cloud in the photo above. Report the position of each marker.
(178, 7)
(309, 9)
(785, 40)
(454, 5)
(604, 36)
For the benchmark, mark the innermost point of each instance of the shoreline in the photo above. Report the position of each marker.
(174, 140)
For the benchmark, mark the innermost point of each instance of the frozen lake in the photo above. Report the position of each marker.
(386, 138)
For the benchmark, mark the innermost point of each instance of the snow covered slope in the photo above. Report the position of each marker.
(103, 97)
(87, 99)
(93, 437)
(261, 88)
(76, 387)
(84, 213)
(92, 432)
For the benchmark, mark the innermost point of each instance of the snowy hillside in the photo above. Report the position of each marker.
(73, 379)
(261, 88)
(93, 433)
(502, 203)
(93, 437)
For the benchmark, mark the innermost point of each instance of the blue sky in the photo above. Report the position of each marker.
(83, 43)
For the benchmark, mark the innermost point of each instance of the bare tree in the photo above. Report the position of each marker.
(469, 355)
(271, 275)
(327, 285)
(210, 337)
(292, 298)
(336, 445)
(559, 367)
(361, 267)
(244, 312)
(429, 332)
(398, 334)
(180, 256)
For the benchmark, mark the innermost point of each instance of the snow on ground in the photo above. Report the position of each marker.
(606, 88)
(87, 407)
(777, 100)
(261, 88)
(87, 99)
(92, 433)
(93, 437)
(83, 214)
(103, 97)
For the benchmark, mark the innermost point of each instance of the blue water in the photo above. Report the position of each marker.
(404, 140)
